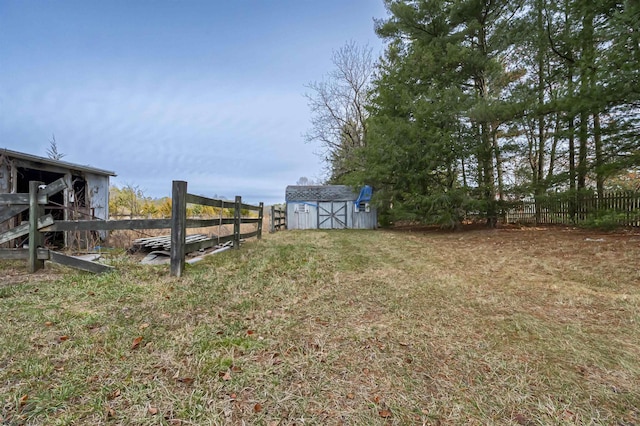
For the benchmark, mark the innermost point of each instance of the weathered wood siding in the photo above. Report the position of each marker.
(98, 193)
(327, 207)
(5, 188)
(363, 219)
(315, 218)
(299, 218)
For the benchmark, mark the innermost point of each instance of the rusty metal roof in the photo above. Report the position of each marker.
(57, 163)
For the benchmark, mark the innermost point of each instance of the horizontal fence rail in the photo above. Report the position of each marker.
(14, 204)
(277, 219)
(179, 223)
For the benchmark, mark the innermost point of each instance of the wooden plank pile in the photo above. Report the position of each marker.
(163, 242)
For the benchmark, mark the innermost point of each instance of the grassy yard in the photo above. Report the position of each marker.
(514, 326)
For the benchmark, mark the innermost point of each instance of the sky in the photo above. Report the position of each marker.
(210, 92)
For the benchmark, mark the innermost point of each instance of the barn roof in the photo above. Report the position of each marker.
(57, 163)
(320, 193)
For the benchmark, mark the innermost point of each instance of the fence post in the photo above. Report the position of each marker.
(178, 226)
(261, 217)
(272, 220)
(35, 237)
(237, 214)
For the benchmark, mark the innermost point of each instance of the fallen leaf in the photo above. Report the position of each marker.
(384, 413)
(23, 399)
(225, 376)
(152, 410)
(48, 323)
(250, 332)
(143, 326)
(376, 399)
(63, 338)
(136, 342)
(350, 396)
(110, 412)
(257, 408)
(521, 419)
(186, 380)
(233, 396)
(114, 394)
(236, 369)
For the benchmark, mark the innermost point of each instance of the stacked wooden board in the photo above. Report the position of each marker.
(163, 242)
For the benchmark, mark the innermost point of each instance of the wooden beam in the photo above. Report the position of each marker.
(249, 207)
(35, 237)
(260, 217)
(203, 223)
(22, 230)
(250, 220)
(22, 254)
(20, 199)
(108, 225)
(112, 225)
(249, 235)
(54, 187)
(178, 226)
(197, 199)
(199, 245)
(8, 212)
(237, 216)
(272, 220)
(74, 262)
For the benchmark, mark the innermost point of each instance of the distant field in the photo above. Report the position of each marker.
(513, 326)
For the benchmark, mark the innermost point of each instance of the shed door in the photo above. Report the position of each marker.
(332, 215)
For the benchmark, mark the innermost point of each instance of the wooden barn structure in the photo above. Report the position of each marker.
(85, 197)
(329, 207)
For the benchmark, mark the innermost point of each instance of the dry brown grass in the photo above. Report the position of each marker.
(513, 326)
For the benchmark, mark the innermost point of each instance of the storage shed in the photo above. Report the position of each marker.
(329, 207)
(86, 196)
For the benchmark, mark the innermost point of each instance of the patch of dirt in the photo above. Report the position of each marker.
(18, 274)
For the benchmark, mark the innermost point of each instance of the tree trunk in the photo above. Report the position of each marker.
(597, 137)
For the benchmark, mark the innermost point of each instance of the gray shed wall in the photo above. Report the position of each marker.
(300, 219)
(98, 193)
(310, 220)
(328, 207)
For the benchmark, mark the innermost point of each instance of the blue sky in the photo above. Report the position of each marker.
(210, 92)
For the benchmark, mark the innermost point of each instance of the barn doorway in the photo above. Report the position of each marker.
(56, 201)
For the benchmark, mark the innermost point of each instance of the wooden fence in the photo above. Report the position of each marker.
(278, 219)
(13, 204)
(179, 223)
(612, 209)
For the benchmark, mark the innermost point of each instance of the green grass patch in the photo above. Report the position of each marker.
(321, 327)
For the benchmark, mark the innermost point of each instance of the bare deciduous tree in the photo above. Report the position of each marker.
(338, 107)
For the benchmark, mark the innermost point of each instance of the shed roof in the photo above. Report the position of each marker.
(56, 163)
(320, 193)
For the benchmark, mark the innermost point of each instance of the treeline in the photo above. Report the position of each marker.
(130, 201)
(476, 103)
